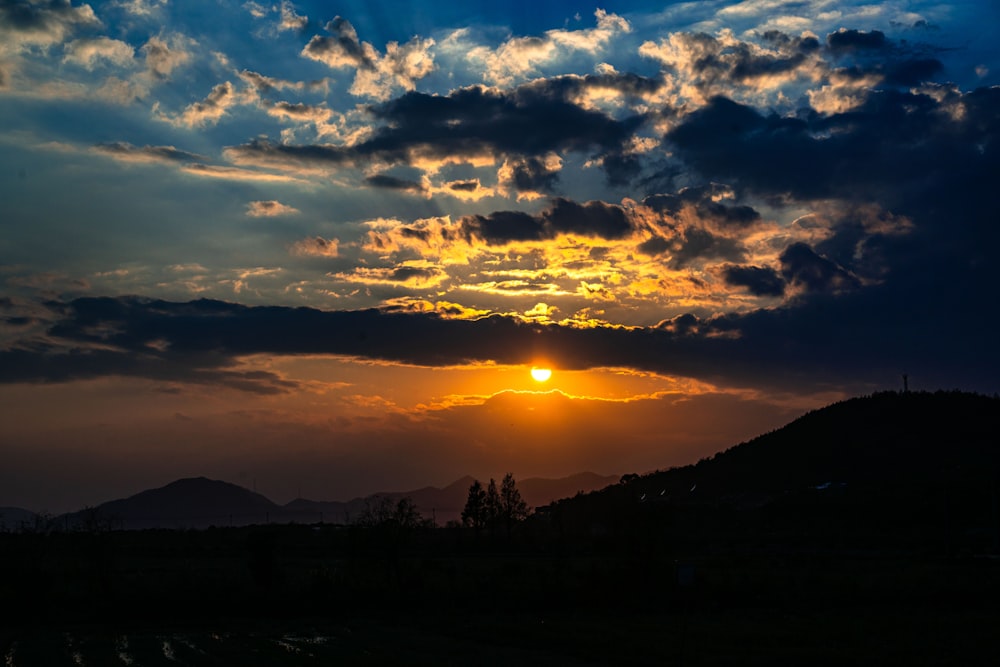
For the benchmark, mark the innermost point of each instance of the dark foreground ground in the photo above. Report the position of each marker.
(323, 595)
(883, 635)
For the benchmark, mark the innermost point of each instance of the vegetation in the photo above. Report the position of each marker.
(866, 528)
(492, 508)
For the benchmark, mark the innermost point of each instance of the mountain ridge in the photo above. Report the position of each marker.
(200, 502)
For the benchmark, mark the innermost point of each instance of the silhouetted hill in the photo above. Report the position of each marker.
(187, 503)
(884, 439)
(13, 518)
(200, 502)
(898, 466)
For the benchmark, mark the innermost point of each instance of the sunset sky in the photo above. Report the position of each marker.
(316, 248)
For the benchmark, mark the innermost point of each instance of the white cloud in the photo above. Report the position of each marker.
(289, 19)
(377, 75)
(142, 8)
(208, 111)
(269, 209)
(89, 53)
(165, 54)
(521, 56)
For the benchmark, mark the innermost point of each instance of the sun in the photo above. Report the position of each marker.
(540, 374)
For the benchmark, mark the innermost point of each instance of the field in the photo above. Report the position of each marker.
(296, 595)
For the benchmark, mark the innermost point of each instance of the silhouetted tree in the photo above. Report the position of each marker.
(474, 513)
(384, 512)
(512, 506)
(492, 506)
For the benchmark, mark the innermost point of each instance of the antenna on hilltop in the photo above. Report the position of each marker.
(906, 383)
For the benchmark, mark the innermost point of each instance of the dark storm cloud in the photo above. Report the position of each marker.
(568, 87)
(403, 273)
(738, 62)
(504, 227)
(41, 16)
(393, 183)
(621, 168)
(528, 121)
(594, 219)
(855, 40)
(759, 280)
(532, 175)
(895, 144)
(913, 72)
(800, 265)
(812, 345)
(464, 186)
(693, 243)
(791, 43)
(702, 200)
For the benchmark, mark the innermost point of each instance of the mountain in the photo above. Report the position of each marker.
(891, 468)
(200, 502)
(13, 518)
(187, 503)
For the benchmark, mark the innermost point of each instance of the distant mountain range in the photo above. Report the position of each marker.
(914, 459)
(200, 502)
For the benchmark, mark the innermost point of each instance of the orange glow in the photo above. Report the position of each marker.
(540, 374)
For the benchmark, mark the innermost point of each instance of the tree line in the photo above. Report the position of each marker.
(492, 508)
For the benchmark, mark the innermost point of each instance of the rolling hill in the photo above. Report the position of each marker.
(200, 502)
(904, 469)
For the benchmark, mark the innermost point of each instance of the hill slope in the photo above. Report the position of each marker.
(195, 502)
(894, 467)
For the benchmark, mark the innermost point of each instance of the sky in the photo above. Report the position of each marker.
(315, 248)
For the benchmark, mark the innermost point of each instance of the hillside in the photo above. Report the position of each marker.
(195, 502)
(895, 467)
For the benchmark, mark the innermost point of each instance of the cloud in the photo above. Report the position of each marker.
(856, 40)
(300, 112)
(417, 274)
(37, 23)
(813, 344)
(316, 247)
(759, 280)
(394, 183)
(237, 174)
(269, 209)
(264, 85)
(467, 123)
(377, 75)
(564, 217)
(89, 53)
(126, 152)
(530, 177)
(342, 48)
(141, 7)
(890, 143)
(209, 110)
(801, 266)
(165, 53)
(289, 19)
(519, 57)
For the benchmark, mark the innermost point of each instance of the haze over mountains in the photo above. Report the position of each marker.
(914, 454)
(200, 502)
